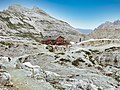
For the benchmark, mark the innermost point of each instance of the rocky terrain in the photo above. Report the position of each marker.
(26, 64)
(110, 30)
(79, 67)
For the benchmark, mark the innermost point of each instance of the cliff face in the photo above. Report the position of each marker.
(18, 21)
(110, 30)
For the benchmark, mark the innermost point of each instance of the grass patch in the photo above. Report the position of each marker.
(6, 43)
(91, 59)
(77, 61)
(9, 24)
(56, 56)
(58, 87)
(95, 51)
(28, 35)
(65, 60)
(62, 53)
(26, 25)
(54, 84)
(112, 49)
(50, 48)
(86, 52)
(78, 51)
(16, 26)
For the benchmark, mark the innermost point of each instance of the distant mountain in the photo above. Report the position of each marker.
(108, 29)
(19, 21)
(85, 31)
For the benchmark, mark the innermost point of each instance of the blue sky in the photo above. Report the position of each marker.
(78, 13)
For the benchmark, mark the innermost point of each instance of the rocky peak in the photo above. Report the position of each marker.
(21, 9)
(17, 8)
(38, 10)
(108, 29)
(104, 25)
(110, 25)
(117, 22)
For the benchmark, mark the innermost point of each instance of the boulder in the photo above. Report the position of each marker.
(5, 78)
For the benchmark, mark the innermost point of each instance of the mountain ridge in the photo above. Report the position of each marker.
(108, 30)
(18, 19)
